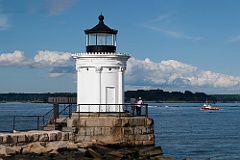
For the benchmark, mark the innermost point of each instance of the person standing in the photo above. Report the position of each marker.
(133, 101)
(139, 102)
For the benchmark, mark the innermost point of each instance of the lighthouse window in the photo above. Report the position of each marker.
(109, 39)
(91, 40)
(100, 39)
(105, 39)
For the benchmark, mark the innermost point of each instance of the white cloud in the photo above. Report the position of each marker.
(174, 74)
(52, 75)
(4, 23)
(17, 58)
(52, 58)
(140, 74)
(58, 71)
(59, 63)
(42, 59)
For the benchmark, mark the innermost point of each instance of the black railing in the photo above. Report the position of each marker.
(66, 111)
(25, 123)
(20, 123)
(133, 109)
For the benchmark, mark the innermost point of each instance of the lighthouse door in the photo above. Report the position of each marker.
(110, 95)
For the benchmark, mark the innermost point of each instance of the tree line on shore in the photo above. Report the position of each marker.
(176, 96)
(147, 95)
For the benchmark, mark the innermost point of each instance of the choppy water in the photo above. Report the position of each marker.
(181, 129)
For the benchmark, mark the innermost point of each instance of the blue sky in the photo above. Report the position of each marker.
(176, 45)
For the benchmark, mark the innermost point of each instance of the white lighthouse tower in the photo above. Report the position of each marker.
(100, 71)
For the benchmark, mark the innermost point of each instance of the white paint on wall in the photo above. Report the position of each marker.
(100, 81)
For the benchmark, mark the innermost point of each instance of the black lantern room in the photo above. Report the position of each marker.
(101, 38)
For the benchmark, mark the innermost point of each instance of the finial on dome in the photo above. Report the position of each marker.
(101, 17)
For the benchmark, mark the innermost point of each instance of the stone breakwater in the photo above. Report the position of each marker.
(85, 136)
(60, 145)
(82, 130)
(36, 142)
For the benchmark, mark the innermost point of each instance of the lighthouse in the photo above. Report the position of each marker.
(100, 71)
(102, 117)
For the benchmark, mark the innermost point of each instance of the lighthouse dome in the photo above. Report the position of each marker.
(101, 38)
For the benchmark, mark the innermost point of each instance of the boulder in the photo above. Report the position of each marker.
(150, 151)
(34, 148)
(84, 144)
(61, 146)
(6, 150)
(94, 154)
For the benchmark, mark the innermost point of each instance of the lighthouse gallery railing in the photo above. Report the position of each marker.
(114, 108)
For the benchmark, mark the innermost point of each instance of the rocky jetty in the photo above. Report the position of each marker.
(67, 151)
(58, 145)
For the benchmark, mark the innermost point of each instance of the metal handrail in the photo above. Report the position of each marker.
(121, 108)
(38, 122)
(69, 112)
(48, 112)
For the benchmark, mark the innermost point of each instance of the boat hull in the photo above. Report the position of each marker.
(205, 109)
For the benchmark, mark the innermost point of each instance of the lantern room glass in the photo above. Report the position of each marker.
(100, 39)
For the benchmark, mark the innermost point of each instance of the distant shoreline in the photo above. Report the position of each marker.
(129, 102)
(149, 96)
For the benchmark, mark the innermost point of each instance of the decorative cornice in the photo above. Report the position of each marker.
(99, 53)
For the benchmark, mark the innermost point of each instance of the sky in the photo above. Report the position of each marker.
(175, 45)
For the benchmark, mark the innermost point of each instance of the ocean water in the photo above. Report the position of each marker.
(181, 129)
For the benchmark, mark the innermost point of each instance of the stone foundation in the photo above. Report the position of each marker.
(112, 128)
